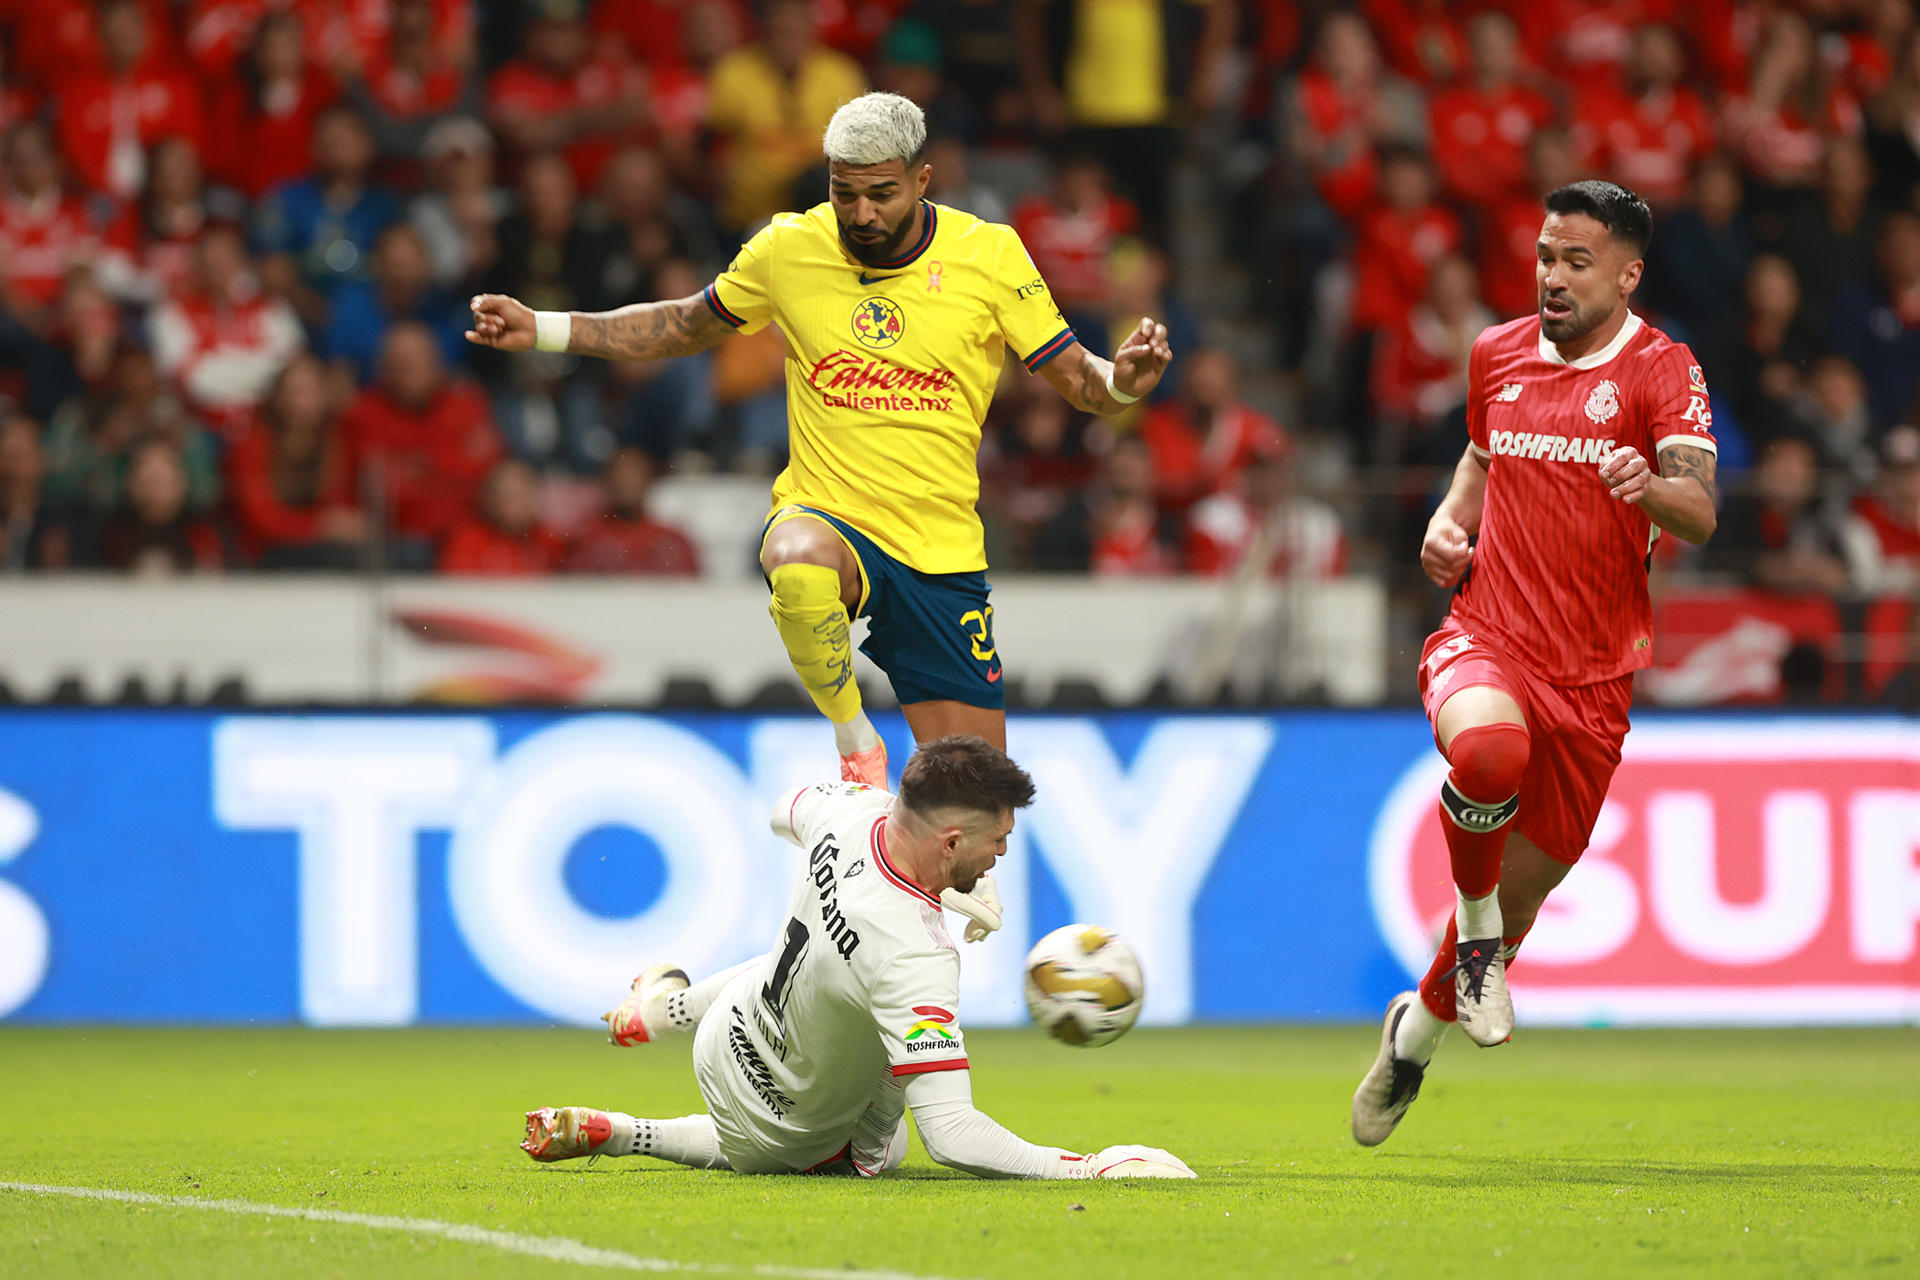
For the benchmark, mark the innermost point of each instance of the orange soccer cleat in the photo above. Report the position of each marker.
(869, 766)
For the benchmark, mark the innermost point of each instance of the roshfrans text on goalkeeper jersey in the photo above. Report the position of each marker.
(890, 369)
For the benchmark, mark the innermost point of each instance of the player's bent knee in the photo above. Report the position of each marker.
(1489, 760)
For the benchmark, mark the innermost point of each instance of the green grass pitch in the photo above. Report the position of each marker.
(1567, 1153)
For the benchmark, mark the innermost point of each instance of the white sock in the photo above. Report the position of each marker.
(856, 734)
(1419, 1033)
(684, 1009)
(690, 1140)
(1477, 917)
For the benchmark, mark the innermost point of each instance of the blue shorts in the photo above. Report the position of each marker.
(932, 633)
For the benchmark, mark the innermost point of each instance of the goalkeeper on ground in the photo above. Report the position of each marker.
(810, 1056)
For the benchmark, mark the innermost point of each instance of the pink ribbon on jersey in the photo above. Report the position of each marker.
(933, 276)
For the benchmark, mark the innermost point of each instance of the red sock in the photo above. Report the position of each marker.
(1436, 989)
(1479, 798)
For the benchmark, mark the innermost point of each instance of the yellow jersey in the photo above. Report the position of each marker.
(890, 369)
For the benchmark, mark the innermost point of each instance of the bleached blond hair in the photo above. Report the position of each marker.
(875, 128)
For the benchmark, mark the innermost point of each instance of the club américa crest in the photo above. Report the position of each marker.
(878, 323)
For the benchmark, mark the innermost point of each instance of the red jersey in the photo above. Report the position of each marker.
(479, 548)
(620, 544)
(41, 240)
(1480, 140)
(1070, 249)
(433, 459)
(1392, 256)
(108, 123)
(1649, 144)
(1559, 574)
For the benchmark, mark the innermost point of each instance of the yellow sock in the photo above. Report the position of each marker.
(813, 624)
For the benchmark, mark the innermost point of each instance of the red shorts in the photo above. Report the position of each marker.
(1576, 732)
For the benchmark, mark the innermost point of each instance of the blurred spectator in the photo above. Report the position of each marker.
(1202, 439)
(660, 33)
(1033, 464)
(1881, 534)
(1398, 240)
(651, 222)
(980, 59)
(1342, 107)
(1697, 266)
(1893, 126)
(1831, 410)
(1423, 40)
(560, 95)
(1510, 234)
(1260, 520)
(552, 260)
(44, 234)
(750, 389)
(1830, 241)
(155, 533)
(111, 116)
(909, 64)
(1778, 344)
(458, 211)
(952, 184)
(267, 112)
(1420, 371)
(402, 288)
(34, 533)
(1777, 536)
(1481, 125)
(1112, 527)
(223, 341)
(89, 436)
(413, 83)
(317, 233)
(290, 481)
(1649, 137)
(770, 101)
(421, 441)
(1070, 231)
(1876, 323)
(1123, 75)
(669, 406)
(150, 246)
(1791, 106)
(18, 101)
(507, 538)
(626, 538)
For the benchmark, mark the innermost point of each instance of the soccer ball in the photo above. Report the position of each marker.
(1084, 985)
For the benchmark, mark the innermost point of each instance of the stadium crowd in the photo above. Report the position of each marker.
(237, 237)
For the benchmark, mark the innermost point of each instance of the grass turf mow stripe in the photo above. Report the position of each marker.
(552, 1248)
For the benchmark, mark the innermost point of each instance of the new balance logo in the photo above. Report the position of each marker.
(1508, 394)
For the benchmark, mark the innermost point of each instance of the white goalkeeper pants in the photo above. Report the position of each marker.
(752, 1144)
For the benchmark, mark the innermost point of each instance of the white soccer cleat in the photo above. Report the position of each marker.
(1390, 1085)
(566, 1133)
(1130, 1161)
(642, 1016)
(1480, 997)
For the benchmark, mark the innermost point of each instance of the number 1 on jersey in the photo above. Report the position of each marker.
(774, 993)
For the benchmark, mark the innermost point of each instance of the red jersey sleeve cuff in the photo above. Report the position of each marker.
(921, 1068)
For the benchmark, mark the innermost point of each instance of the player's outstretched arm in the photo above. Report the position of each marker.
(643, 331)
(960, 1136)
(1679, 497)
(1090, 383)
(1445, 552)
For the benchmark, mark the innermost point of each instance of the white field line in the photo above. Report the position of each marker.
(552, 1248)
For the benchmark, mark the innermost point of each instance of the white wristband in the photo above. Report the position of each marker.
(552, 330)
(1116, 392)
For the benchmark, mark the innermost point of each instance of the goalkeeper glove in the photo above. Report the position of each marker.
(981, 907)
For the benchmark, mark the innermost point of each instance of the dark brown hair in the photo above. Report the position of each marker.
(964, 771)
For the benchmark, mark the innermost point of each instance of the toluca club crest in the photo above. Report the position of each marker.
(1604, 402)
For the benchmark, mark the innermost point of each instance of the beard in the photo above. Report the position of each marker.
(872, 255)
(966, 882)
(1573, 326)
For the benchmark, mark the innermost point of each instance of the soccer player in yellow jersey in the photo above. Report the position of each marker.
(897, 314)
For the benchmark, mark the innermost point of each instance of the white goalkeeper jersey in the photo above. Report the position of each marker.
(862, 982)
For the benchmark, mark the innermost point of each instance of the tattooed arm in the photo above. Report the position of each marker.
(1081, 376)
(644, 331)
(1679, 497)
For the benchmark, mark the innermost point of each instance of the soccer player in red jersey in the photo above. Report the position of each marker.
(1590, 435)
